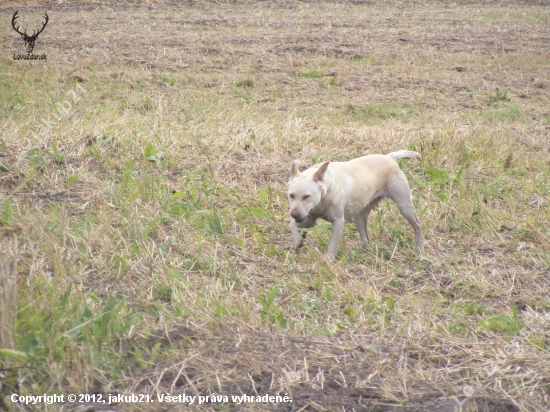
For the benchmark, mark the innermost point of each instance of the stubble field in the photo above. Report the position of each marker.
(143, 172)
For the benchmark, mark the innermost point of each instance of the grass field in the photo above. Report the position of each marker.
(143, 171)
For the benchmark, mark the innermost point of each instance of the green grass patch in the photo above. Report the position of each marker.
(376, 112)
(312, 74)
(245, 82)
(503, 323)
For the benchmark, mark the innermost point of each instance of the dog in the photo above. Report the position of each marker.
(342, 192)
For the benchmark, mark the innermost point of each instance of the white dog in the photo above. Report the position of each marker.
(341, 192)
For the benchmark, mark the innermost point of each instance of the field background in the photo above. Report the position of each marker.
(154, 252)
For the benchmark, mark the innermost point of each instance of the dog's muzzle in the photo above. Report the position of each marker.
(296, 216)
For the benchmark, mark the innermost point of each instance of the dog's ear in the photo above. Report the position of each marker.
(319, 175)
(294, 168)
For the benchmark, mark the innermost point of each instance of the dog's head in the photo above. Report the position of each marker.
(305, 190)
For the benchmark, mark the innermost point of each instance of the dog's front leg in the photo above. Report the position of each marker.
(295, 230)
(337, 231)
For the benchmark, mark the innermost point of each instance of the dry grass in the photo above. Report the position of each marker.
(8, 294)
(155, 255)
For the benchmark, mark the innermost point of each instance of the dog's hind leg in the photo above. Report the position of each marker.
(361, 221)
(401, 195)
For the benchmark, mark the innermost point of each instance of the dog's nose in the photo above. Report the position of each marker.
(297, 216)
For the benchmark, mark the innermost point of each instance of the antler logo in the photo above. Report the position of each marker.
(29, 40)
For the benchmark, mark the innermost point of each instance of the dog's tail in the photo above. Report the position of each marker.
(405, 154)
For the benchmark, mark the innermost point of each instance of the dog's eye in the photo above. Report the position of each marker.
(291, 196)
(305, 197)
